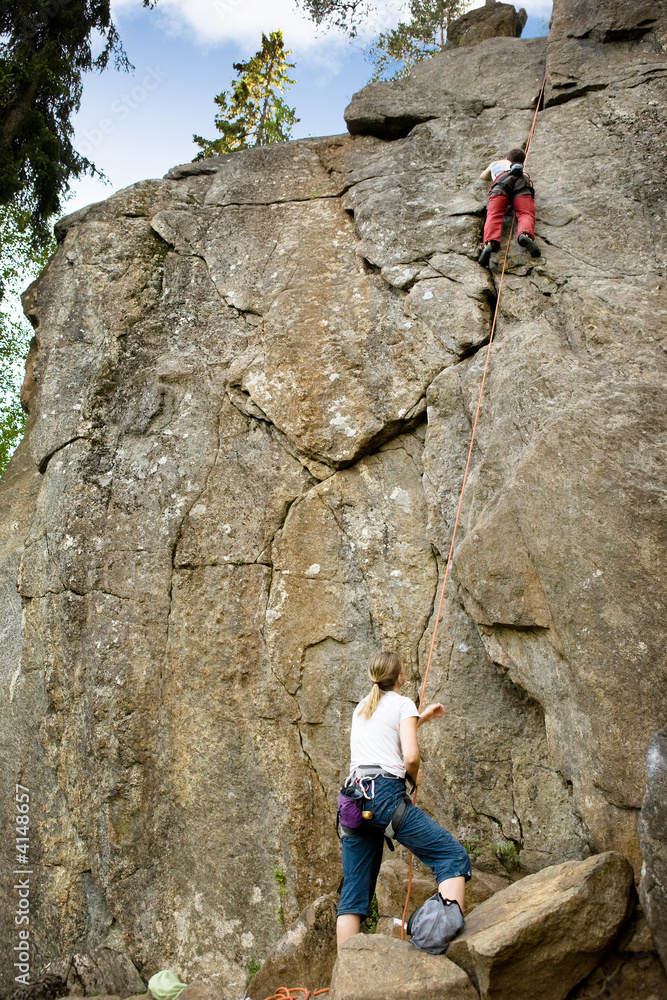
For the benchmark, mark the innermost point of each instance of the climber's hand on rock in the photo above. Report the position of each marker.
(434, 711)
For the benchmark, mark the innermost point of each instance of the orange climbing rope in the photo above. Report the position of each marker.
(294, 991)
(465, 480)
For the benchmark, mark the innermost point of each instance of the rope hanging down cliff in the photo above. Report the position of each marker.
(289, 994)
(465, 480)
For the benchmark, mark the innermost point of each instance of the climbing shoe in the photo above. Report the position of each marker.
(529, 243)
(485, 256)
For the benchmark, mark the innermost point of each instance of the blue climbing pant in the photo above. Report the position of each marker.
(362, 852)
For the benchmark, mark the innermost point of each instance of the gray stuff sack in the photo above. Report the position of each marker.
(433, 925)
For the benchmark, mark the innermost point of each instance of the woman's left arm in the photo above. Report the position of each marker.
(407, 731)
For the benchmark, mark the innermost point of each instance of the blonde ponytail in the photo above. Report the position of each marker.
(383, 671)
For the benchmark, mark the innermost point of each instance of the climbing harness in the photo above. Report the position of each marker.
(353, 799)
(465, 480)
(514, 181)
(396, 821)
(512, 184)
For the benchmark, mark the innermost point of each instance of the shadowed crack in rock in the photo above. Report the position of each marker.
(43, 465)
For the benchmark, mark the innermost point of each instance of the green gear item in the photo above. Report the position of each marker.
(165, 985)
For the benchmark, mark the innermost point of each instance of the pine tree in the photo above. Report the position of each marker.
(255, 114)
(410, 42)
(45, 48)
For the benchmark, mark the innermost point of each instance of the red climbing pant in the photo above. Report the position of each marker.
(524, 206)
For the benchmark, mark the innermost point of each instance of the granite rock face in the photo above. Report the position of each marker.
(452, 88)
(594, 45)
(250, 395)
(103, 969)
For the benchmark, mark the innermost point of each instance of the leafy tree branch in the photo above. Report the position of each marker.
(399, 49)
(24, 254)
(45, 48)
(345, 14)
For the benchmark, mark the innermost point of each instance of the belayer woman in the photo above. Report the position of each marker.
(383, 749)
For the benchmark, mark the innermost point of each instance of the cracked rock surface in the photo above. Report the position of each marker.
(251, 392)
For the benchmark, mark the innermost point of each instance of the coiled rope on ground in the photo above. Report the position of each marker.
(296, 993)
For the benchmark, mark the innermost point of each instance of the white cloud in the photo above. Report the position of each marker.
(215, 22)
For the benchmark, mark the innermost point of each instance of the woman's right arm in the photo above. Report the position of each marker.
(435, 711)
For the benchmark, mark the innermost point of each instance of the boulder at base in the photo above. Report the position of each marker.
(199, 991)
(630, 971)
(103, 996)
(101, 972)
(544, 934)
(373, 967)
(305, 956)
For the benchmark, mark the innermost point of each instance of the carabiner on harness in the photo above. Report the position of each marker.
(368, 794)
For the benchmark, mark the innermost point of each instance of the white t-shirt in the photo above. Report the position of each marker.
(376, 740)
(499, 167)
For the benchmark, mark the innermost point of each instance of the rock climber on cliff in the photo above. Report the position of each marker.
(510, 186)
(383, 749)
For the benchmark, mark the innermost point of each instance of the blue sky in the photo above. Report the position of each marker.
(138, 125)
